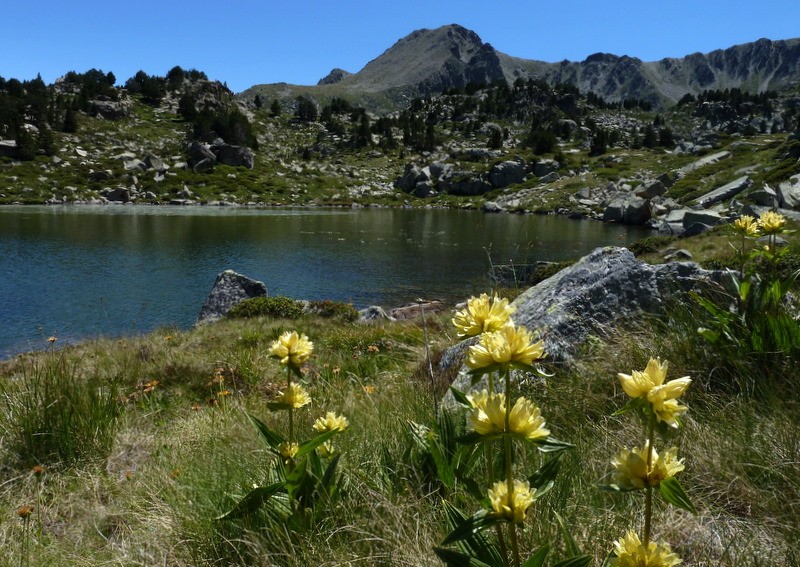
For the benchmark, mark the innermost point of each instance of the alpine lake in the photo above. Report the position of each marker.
(78, 272)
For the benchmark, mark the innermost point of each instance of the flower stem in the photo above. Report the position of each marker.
(648, 502)
(291, 409)
(39, 506)
(487, 451)
(512, 527)
(508, 453)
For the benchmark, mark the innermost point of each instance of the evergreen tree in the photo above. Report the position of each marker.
(599, 144)
(257, 101)
(187, 106)
(362, 136)
(275, 108)
(649, 138)
(26, 144)
(306, 110)
(665, 138)
(46, 141)
(70, 121)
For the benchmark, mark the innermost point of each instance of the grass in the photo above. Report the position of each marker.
(157, 467)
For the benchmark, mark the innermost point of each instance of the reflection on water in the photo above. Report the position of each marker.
(78, 272)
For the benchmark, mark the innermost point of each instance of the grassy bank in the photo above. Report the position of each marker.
(146, 441)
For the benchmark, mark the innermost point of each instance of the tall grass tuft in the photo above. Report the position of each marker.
(51, 413)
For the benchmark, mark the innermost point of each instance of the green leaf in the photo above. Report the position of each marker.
(545, 475)
(470, 486)
(672, 491)
(633, 404)
(477, 373)
(572, 545)
(708, 334)
(460, 397)
(552, 445)
(537, 559)
(294, 477)
(616, 488)
(453, 558)
(272, 439)
(252, 501)
(478, 545)
(309, 446)
(328, 478)
(474, 437)
(480, 520)
(580, 561)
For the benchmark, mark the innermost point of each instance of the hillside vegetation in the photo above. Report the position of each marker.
(525, 147)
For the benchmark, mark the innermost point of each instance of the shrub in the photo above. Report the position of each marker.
(650, 244)
(333, 310)
(278, 307)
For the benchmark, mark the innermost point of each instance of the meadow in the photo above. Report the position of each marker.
(164, 449)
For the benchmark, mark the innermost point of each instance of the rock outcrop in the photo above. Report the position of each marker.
(229, 289)
(588, 298)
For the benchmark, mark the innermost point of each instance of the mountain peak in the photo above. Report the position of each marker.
(434, 60)
(336, 75)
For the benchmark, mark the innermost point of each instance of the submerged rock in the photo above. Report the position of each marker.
(229, 289)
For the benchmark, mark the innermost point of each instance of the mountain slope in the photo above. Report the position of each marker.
(431, 61)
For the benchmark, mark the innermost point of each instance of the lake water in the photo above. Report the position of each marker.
(80, 272)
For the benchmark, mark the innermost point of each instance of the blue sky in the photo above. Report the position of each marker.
(247, 42)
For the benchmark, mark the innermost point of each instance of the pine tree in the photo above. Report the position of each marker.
(70, 121)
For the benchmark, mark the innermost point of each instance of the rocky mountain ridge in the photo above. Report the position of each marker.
(432, 61)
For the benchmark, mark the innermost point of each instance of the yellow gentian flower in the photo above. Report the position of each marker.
(662, 396)
(771, 222)
(638, 383)
(288, 450)
(632, 473)
(331, 422)
(526, 420)
(482, 315)
(663, 400)
(509, 345)
(631, 552)
(291, 349)
(511, 509)
(326, 450)
(488, 413)
(294, 396)
(489, 416)
(746, 225)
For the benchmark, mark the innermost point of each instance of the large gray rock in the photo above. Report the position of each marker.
(788, 193)
(118, 195)
(544, 167)
(8, 148)
(710, 218)
(229, 289)
(765, 197)
(588, 298)
(411, 176)
(725, 192)
(154, 162)
(111, 110)
(628, 210)
(651, 189)
(464, 183)
(200, 152)
(702, 162)
(235, 155)
(506, 173)
(373, 313)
